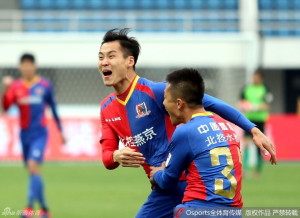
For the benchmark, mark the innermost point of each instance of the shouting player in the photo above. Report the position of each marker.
(135, 115)
(31, 94)
(205, 147)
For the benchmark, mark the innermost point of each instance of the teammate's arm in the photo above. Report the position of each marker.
(233, 115)
(179, 158)
(52, 103)
(8, 97)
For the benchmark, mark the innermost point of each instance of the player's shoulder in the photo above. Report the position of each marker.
(45, 82)
(151, 84)
(180, 132)
(17, 83)
(107, 100)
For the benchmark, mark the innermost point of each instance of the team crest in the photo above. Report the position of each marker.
(142, 110)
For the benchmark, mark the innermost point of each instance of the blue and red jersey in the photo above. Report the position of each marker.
(139, 120)
(31, 100)
(208, 150)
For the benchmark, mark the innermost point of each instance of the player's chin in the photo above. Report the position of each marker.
(108, 82)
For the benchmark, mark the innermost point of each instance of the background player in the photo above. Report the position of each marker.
(135, 115)
(255, 102)
(31, 94)
(205, 146)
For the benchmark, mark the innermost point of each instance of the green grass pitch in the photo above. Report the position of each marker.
(89, 190)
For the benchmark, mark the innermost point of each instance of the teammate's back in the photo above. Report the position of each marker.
(212, 153)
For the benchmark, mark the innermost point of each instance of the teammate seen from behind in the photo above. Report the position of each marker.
(135, 115)
(205, 147)
(32, 93)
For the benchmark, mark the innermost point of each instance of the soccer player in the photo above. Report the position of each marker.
(135, 115)
(32, 93)
(255, 103)
(205, 147)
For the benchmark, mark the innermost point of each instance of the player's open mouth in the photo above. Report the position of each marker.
(107, 72)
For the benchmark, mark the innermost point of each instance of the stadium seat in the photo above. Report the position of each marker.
(45, 4)
(95, 4)
(113, 5)
(180, 5)
(146, 4)
(62, 4)
(129, 5)
(79, 4)
(27, 4)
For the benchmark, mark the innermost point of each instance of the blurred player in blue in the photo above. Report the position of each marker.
(32, 93)
(205, 147)
(135, 116)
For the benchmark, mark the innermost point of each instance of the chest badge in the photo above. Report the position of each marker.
(142, 110)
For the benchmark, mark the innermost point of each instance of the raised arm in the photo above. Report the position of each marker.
(233, 115)
(8, 97)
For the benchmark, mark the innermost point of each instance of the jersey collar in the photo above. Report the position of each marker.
(130, 92)
(202, 114)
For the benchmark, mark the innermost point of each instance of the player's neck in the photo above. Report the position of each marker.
(123, 85)
(30, 81)
(191, 111)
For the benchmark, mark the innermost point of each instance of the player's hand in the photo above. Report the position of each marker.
(264, 144)
(7, 80)
(153, 170)
(128, 157)
(63, 138)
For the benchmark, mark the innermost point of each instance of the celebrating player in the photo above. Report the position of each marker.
(135, 115)
(205, 146)
(31, 94)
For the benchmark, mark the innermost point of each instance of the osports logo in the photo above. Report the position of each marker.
(179, 212)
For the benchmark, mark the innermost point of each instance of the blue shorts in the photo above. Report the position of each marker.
(34, 144)
(161, 203)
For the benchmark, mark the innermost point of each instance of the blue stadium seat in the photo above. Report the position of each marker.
(282, 5)
(265, 4)
(28, 4)
(129, 5)
(163, 5)
(197, 4)
(180, 5)
(95, 4)
(214, 4)
(45, 4)
(62, 4)
(231, 4)
(146, 4)
(79, 4)
(113, 5)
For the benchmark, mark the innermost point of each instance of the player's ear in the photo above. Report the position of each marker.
(131, 61)
(179, 103)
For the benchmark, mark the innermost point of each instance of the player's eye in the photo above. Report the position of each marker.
(100, 58)
(111, 56)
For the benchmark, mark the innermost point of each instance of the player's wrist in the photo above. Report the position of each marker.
(115, 156)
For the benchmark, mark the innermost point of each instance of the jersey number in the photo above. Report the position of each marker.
(219, 183)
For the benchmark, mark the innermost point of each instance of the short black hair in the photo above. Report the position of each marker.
(130, 45)
(188, 84)
(27, 57)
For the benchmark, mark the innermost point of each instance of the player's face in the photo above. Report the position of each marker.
(172, 107)
(27, 69)
(257, 79)
(113, 65)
